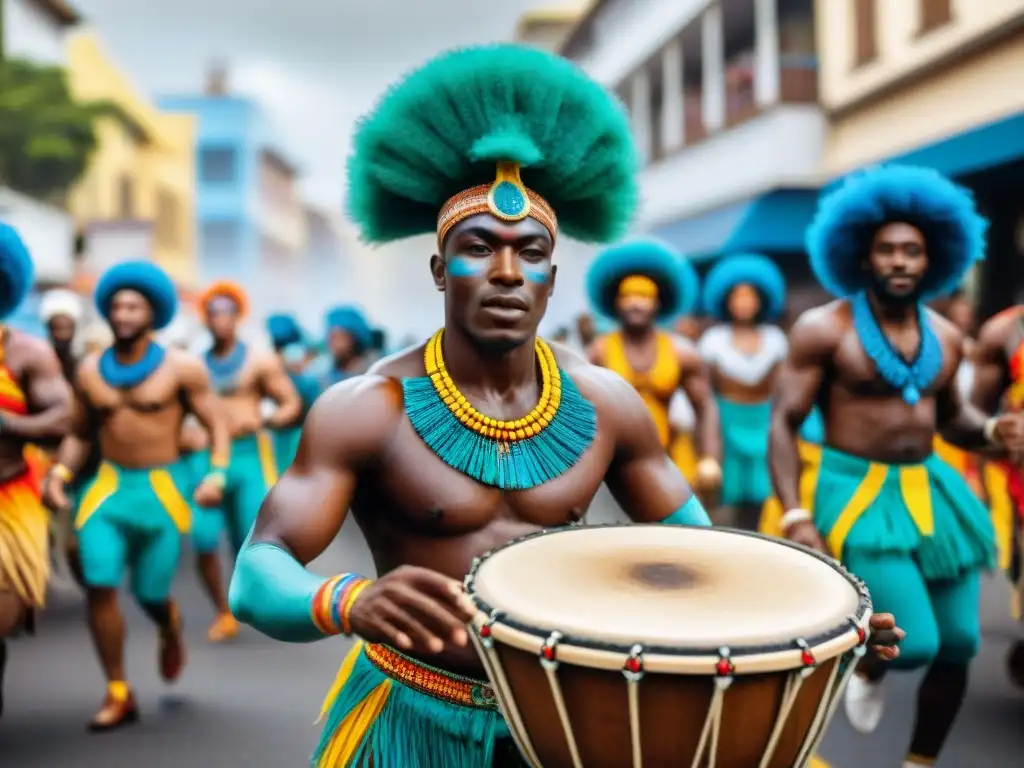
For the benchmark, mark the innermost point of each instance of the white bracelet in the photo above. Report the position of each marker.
(990, 430)
(794, 516)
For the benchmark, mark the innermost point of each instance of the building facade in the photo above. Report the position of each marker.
(250, 222)
(139, 190)
(935, 83)
(722, 95)
(36, 30)
(548, 28)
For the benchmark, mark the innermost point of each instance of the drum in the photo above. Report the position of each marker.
(655, 645)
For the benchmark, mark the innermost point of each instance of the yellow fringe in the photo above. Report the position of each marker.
(1001, 508)
(24, 542)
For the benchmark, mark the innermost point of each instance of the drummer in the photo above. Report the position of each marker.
(897, 516)
(637, 284)
(432, 481)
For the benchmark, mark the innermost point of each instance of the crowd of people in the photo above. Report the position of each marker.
(873, 428)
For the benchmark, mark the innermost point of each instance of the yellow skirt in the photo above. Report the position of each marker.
(683, 453)
(24, 540)
(772, 511)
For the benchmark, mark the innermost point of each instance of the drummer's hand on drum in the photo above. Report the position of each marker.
(798, 526)
(413, 609)
(885, 636)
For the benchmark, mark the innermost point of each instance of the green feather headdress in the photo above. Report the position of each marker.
(523, 122)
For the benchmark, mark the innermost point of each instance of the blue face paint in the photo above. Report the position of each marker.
(537, 273)
(460, 266)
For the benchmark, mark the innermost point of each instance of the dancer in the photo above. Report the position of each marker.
(349, 338)
(745, 294)
(61, 311)
(35, 406)
(289, 342)
(901, 519)
(131, 401)
(432, 481)
(241, 378)
(999, 382)
(638, 284)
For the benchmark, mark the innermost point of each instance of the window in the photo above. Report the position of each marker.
(217, 165)
(864, 18)
(935, 14)
(125, 198)
(221, 243)
(166, 219)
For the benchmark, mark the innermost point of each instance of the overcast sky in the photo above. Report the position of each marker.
(316, 65)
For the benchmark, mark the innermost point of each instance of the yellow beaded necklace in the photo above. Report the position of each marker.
(530, 425)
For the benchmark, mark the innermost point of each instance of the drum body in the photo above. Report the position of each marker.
(652, 646)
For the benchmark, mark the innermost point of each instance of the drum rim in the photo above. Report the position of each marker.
(853, 623)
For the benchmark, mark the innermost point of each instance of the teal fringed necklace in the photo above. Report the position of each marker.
(511, 455)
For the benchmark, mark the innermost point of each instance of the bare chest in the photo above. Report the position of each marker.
(854, 369)
(158, 394)
(414, 491)
(243, 384)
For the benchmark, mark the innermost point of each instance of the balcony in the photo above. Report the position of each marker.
(727, 108)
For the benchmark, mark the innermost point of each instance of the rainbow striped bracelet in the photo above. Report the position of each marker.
(333, 601)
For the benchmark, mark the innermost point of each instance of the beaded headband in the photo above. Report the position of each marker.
(507, 198)
(638, 285)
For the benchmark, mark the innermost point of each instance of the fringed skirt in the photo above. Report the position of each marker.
(926, 511)
(24, 540)
(386, 710)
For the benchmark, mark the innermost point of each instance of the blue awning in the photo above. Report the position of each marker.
(772, 223)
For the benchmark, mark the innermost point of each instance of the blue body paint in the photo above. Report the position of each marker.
(273, 593)
(691, 513)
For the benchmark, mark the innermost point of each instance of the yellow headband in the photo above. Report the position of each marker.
(507, 198)
(638, 285)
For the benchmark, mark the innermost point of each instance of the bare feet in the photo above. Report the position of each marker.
(224, 627)
(118, 709)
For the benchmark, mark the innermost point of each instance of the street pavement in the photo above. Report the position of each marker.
(254, 703)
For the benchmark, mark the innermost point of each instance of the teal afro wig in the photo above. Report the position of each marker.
(745, 269)
(146, 278)
(678, 291)
(17, 272)
(839, 239)
(284, 330)
(444, 128)
(353, 322)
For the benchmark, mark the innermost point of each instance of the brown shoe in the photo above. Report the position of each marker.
(224, 627)
(172, 648)
(118, 710)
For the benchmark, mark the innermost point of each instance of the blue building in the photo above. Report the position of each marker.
(251, 225)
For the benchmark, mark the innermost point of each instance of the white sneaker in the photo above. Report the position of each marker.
(865, 704)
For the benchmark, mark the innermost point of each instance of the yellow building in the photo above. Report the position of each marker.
(143, 172)
(934, 83)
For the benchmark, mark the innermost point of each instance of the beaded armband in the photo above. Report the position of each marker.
(219, 462)
(333, 602)
(63, 472)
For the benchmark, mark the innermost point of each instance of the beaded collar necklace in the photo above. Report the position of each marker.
(511, 455)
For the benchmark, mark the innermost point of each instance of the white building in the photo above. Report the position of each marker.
(35, 29)
(723, 100)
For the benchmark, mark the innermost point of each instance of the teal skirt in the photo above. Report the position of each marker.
(379, 713)
(924, 510)
(745, 479)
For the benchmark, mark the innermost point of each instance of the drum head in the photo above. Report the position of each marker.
(666, 586)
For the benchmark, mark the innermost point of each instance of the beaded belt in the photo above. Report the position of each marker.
(430, 681)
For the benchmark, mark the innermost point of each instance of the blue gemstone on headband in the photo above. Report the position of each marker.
(509, 200)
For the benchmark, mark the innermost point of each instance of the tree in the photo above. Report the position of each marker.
(46, 136)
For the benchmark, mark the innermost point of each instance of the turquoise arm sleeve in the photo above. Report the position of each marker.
(272, 592)
(691, 513)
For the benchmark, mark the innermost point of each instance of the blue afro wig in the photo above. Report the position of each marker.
(839, 239)
(745, 269)
(16, 270)
(352, 321)
(678, 288)
(146, 278)
(284, 330)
